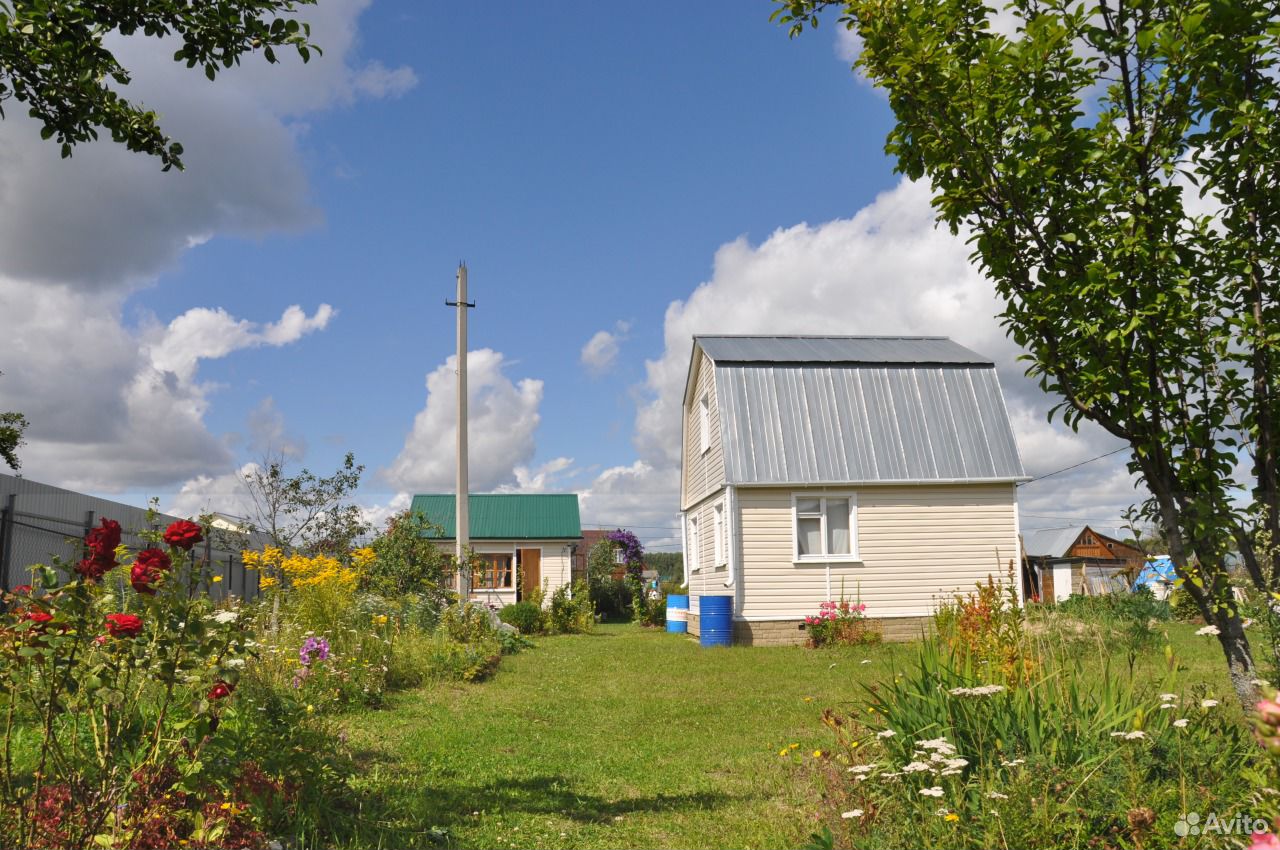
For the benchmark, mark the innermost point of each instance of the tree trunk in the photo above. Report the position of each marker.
(1235, 646)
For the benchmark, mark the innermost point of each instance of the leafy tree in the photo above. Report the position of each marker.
(669, 565)
(11, 427)
(303, 511)
(1113, 165)
(54, 58)
(408, 561)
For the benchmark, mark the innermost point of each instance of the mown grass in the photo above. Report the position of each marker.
(629, 738)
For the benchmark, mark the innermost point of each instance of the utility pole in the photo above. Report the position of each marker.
(462, 519)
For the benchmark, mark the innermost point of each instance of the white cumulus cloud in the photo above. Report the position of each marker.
(600, 354)
(502, 416)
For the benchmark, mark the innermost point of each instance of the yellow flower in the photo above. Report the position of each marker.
(267, 581)
(783, 751)
(363, 557)
(794, 747)
(817, 754)
(808, 699)
(311, 709)
(380, 620)
(216, 579)
(951, 817)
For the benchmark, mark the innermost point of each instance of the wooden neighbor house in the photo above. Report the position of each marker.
(523, 540)
(1077, 560)
(815, 468)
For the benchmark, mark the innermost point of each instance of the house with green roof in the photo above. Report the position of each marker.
(523, 541)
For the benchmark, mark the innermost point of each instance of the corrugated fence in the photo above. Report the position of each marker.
(39, 522)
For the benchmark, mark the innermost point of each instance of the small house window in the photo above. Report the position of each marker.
(825, 527)
(717, 517)
(704, 422)
(693, 543)
(492, 571)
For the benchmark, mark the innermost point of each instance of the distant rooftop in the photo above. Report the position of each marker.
(880, 350)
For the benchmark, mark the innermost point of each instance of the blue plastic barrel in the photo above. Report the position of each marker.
(715, 621)
(677, 613)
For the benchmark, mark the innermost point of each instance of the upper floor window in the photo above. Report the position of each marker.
(825, 526)
(704, 422)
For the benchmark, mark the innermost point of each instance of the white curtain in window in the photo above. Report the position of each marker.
(809, 535)
(838, 527)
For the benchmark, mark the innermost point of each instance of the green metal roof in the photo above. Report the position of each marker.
(506, 516)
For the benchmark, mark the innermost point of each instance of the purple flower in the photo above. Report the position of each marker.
(313, 649)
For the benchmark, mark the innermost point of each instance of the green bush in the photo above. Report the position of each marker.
(1140, 605)
(572, 611)
(1183, 606)
(525, 616)
(611, 598)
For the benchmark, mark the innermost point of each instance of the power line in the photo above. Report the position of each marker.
(1074, 466)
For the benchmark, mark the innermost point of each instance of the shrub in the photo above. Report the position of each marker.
(405, 559)
(1184, 608)
(525, 616)
(113, 686)
(572, 611)
(611, 598)
(648, 606)
(1140, 605)
(841, 623)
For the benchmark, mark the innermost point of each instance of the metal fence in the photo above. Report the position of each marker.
(39, 522)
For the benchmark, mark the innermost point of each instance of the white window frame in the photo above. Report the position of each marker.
(824, 558)
(693, 544)
(717, 529)
(704, 421)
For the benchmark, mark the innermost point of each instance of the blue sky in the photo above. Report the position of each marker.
(647, 171)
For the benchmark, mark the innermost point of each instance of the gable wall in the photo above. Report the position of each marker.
(703, 472)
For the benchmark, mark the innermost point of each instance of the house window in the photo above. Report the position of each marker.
(492, 571)
(825, 527)
(693, 543)
(717, 528)
(619, 557)
(704, 422)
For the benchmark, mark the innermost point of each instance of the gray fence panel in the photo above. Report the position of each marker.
(40, 522)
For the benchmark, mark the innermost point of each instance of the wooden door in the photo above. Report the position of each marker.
(530, 571)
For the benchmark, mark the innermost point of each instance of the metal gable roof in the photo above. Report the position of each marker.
(506, 516)
(836, 410)
(913, 350)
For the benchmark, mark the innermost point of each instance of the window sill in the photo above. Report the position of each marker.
(824, 561)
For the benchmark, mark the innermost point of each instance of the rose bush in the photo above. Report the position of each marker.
(112, 696)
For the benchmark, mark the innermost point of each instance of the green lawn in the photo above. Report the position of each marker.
(626, 738)
(623, 738)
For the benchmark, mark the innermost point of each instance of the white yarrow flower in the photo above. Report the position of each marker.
(1169, 697)
(1208, 630)
(1135, 735)
(1208, 703)
(852, 813)
(935, 791)
(1181, 723)
(996, 795)
(887, 733)
(917, 767)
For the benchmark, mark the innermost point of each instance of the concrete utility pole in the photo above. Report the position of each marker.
(462, 519)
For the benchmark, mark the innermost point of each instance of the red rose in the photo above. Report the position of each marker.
(22, 590)
(38, 617)
(124, 625)
(183, 534)
(143, 578)
(147, 569)
(101, 542)
(220, 690)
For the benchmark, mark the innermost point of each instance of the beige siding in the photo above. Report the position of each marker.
(703, 472)
(917, 544)
(709, 577)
